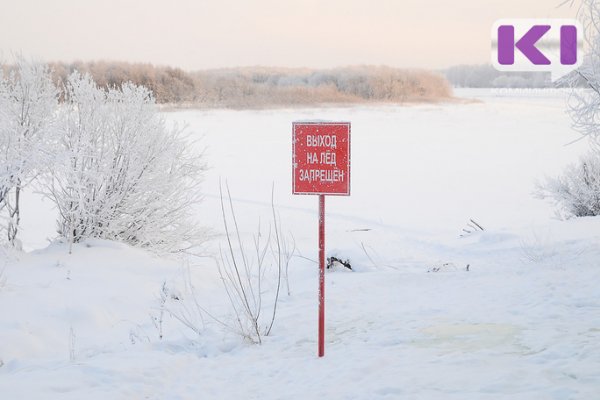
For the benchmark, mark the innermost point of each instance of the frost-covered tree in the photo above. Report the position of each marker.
(577, 191)
(122, 173)
(584, 105)
(28, 103)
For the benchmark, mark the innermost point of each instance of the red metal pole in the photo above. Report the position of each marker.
(321, 275)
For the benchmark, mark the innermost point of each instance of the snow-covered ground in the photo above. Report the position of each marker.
(522, 323)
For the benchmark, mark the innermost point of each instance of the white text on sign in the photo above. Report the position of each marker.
(321, 175)
(326, 157)
(321, 141)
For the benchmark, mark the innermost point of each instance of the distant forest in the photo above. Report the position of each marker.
(486, 76)
(256, 87)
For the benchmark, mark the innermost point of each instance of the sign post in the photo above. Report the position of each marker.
(321, 165)
(321, 275)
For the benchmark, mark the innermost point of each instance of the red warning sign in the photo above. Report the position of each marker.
(321, 158)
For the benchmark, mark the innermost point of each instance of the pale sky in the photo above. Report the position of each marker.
(199, 34)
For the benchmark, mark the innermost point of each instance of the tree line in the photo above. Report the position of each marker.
(255, 87)
(486, 76)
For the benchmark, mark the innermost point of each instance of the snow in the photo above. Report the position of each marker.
(523, 322)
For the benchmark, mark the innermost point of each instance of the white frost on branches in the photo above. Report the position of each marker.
(584, 105)
(577, 191)
(108, 160)
(121, 172)
(28, 103)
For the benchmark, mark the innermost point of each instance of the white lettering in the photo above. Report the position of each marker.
(328, 158)
(321, 175)
(321, 141)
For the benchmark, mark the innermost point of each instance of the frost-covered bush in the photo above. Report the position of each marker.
(577, 191)
(28, 104)
(111, 164)
(121, 173)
